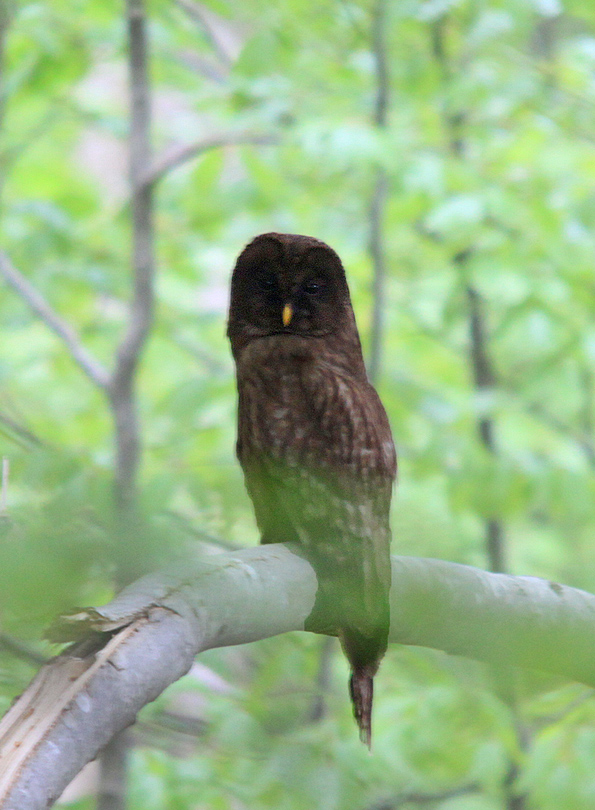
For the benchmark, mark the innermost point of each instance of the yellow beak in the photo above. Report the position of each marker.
(287, 314)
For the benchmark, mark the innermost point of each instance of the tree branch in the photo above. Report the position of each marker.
(379, 193)
(64, 331)
(140, 318)
(21, 650)
(484, 379)
(122, 390)
(156, 626)
(4, 23)
(425, 799)
(178, 154)
(203, 17)
(18, 433)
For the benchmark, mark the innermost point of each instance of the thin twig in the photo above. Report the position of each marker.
(379, 194)
(21, 435)
(92, 368)
(214, 366)
(354, 22)
(4, 487)
(4, 23)
(380, 64)
(376, 216)
(178, 154)
(41, 128)
(21, 650)
(181, 153)
(202, 16)
(586, 416)
(583, 442)
(405, 799)
(198, 532)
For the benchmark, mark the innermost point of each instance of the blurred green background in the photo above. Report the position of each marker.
(475, 189)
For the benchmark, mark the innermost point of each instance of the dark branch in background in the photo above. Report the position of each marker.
(379, 193)
(484, 380)
(407, 799)
(66, 333)
(4, 517)
(587, 427)
(453, 118)
(380, 64)
(121, 391)
(581, 436)
(318, 708)
(483, 375)
(4, 23)
(148, 635)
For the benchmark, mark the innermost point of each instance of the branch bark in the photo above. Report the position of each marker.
(379, 193)
(94, 370)
(122, 393)
(484, 379)
(147, 637)
(178, 154)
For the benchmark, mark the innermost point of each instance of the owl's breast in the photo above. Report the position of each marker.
(296, 406)
(274, 416)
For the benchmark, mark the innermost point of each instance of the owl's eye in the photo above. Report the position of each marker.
(267, 283)
(313, 287)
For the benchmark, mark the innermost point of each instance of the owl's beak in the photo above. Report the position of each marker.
(287, 314)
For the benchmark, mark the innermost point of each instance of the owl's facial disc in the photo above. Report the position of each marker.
(293, 298)
(285, 284)
(309, 306)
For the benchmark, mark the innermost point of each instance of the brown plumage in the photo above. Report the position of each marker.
(314, 440)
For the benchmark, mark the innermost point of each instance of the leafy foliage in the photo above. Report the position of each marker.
(489, 160)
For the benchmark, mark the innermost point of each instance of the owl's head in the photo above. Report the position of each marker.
(288, 284)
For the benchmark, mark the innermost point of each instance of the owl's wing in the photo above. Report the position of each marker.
(340, 520)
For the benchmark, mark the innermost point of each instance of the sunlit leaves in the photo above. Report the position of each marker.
(489, 158)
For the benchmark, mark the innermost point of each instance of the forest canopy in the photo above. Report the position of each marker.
(446, 151)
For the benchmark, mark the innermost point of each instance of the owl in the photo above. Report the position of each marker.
(314, 440)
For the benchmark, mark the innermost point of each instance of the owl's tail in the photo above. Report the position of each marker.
(361, 689)
(363, 652)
